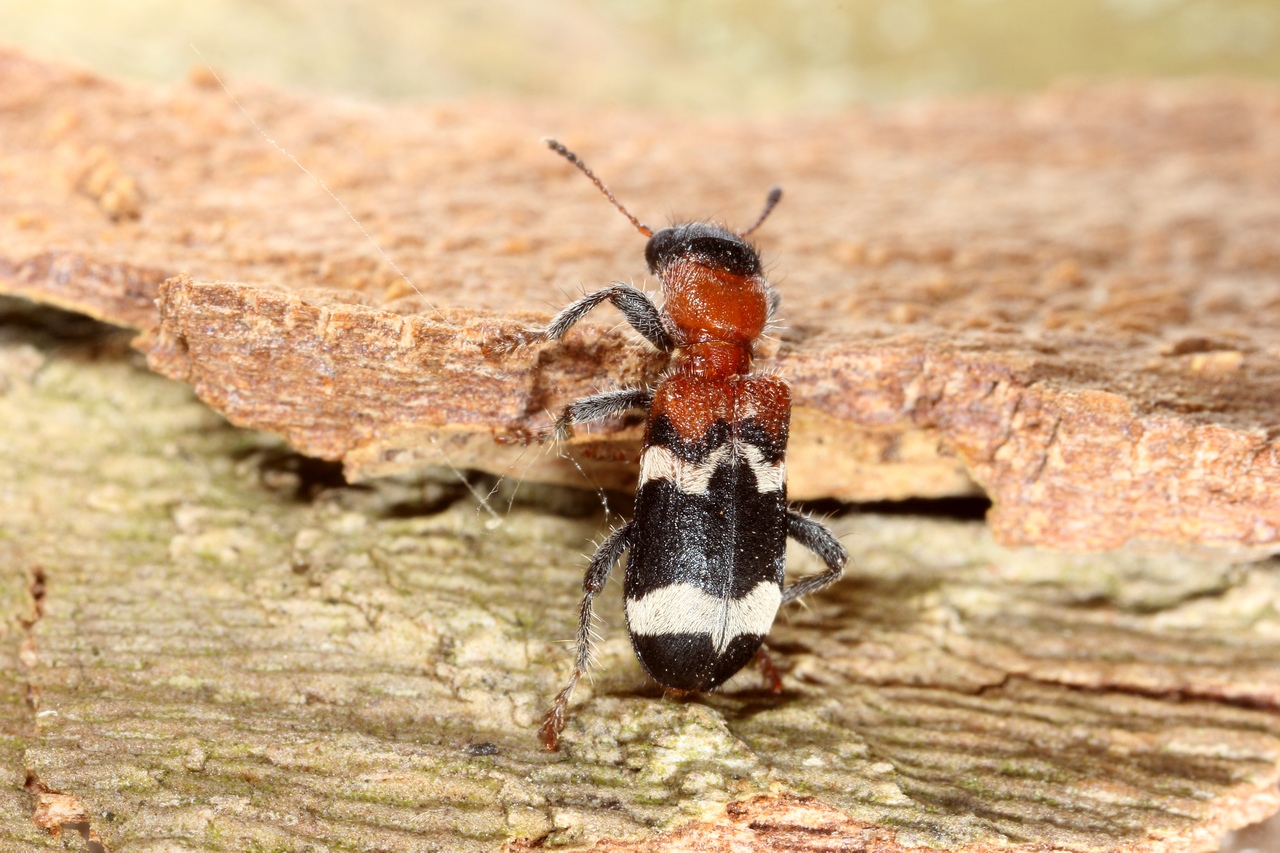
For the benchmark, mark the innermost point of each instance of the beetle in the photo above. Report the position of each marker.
(707, 542)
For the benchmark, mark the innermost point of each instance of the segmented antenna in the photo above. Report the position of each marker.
(573, 158)
(770, 202)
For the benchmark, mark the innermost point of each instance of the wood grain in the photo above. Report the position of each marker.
(236, 651)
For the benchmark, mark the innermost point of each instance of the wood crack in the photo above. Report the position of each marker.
(54, 811)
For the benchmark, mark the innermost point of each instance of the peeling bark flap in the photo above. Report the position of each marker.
(1068, 301)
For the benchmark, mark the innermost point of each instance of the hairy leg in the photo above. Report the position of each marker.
(769, 672)
(635, 305)
(775, 302)
(818, 539)
(599, 406)
(597, 574)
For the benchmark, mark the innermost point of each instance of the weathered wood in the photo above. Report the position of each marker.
(1067, 300)
(237, 652)
(17, 719)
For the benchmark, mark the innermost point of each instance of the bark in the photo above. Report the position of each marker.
(226, 647)
(1066, 301)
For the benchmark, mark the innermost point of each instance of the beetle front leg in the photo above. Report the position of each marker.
(775, 303)
(636, 307)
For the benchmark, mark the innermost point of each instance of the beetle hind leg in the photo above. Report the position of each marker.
(602, 563)
(818, 539)
(768, 671)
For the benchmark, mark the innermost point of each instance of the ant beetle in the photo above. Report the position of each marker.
(707, 544)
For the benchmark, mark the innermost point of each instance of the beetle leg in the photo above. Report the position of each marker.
(635, 305)
(775, 303)
(597, 574)
(818, 539)
(599, 406)
(768, 671)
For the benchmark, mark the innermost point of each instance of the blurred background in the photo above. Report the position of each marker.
(721, 56)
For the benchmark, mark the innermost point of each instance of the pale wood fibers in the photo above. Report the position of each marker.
(228, 649)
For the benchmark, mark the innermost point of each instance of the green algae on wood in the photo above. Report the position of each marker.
(233, 656)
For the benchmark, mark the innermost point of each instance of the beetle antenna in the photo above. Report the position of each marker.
(573, 158)
(770, 202)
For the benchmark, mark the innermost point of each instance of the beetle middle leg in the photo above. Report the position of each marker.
(602, 563)
(599, 406)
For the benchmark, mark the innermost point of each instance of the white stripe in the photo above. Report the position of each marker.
(682, 608)
(770, 477)
(694, 478)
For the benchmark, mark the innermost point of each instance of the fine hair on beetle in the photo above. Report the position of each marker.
(706, 546)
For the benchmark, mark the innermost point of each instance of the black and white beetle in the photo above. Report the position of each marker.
(707, 543)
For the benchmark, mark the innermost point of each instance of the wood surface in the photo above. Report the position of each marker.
(212, 643)
(1067, 302)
